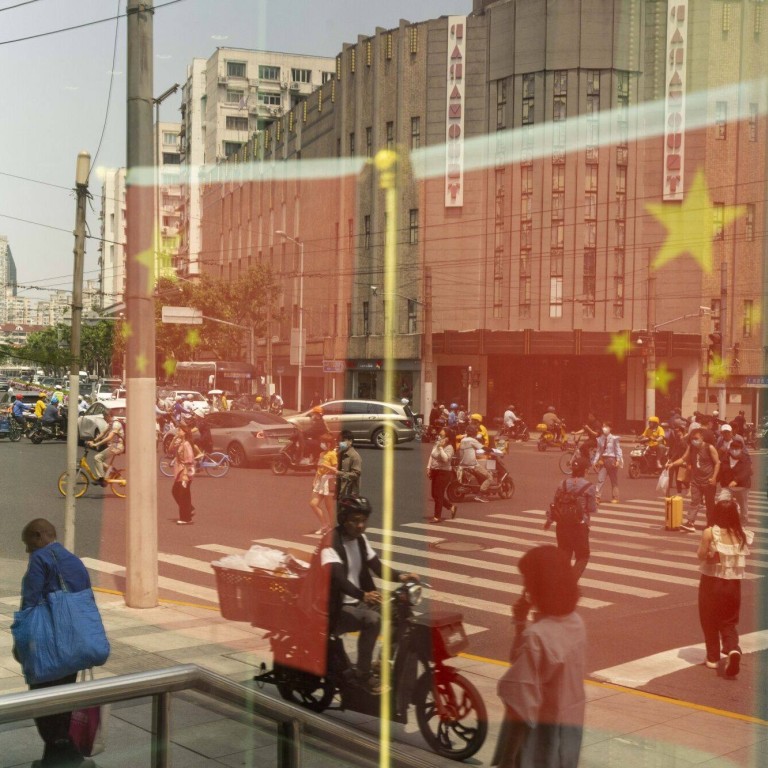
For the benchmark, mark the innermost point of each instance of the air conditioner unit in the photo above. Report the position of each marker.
(295, 86)
(222, 79)
(284, 86)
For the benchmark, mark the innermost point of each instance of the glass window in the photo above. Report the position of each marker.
(529, 90)
(413, 226)
(237, 123)
(235, 96)
(268, 72)
(171, 138)
(718, 211)
(301, 75)
(555, 296)
(352, 143)
(390, 130)
(236, 69)
(415, 132)
(270, 99)
(721, 119)
(411, 316)
(748, 318)
(558, 178)
(749, 222)
(366, 232)
(501, 104)
(753, 121)
(369, 142)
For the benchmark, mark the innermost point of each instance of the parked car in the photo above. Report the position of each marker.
(199, 403)
(104, 390)
(249, 436)
(98, 417)
(369, 421)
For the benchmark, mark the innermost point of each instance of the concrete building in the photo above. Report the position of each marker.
(7, 279)
(531, 140)
(112, 249)
(170, 198)
(225, 100)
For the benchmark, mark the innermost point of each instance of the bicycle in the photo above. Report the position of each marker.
(573, 451)
(115, 479)
(215, 464)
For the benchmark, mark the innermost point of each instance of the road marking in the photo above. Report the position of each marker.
(604, 586)
(173, 585)
(640, 672)
(644, 502)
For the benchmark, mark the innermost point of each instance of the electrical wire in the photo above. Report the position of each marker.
(83, 25)
(18, 5)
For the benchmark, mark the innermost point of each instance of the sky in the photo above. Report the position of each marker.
(54, 96)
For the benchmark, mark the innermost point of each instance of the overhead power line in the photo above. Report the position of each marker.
(18, 5)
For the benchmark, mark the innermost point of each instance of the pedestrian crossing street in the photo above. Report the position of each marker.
(632, 557)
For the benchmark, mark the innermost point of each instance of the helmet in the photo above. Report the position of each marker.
(317, 409)
(58, 386)
(41, 395)
(177, 398)
(349, 505)
(476, 417)
(404, 401)
(454, 406)
(551, 409)
(653, 419)
(19, 397)
(189, 396)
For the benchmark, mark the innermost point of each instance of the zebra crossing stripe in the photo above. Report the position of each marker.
(508, 589)
(173, 585)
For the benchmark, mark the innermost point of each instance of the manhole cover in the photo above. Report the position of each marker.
(457, 546)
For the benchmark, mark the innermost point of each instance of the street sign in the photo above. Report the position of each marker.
(334, 366)
(298, 346)
(183, 315)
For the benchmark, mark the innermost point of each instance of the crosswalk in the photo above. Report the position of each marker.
(632, 558)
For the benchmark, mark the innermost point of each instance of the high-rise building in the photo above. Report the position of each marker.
(112, 247)
(169, 201)
(225, 100)
(7, 278)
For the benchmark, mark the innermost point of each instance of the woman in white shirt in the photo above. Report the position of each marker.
(723, 552)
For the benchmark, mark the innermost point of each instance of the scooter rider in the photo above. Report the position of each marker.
(554, 424)
(657, 440)
(309, 436)
(468, 448)
(510, 418)
(482, 432)
(21, 410)
(353, 595)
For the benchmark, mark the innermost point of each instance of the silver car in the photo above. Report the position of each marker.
(98, 417)
(369, 421)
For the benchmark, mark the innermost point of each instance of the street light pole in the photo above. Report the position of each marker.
(300, 365)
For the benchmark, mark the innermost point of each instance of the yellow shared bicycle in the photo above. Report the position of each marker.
(115, 479)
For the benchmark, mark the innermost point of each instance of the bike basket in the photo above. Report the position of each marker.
(274, 600)
(235, 593)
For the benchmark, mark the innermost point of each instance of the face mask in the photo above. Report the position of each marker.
(324, 446)
(696, 443)
(343, 446)
(606, 430)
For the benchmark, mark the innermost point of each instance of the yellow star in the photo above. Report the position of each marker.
(169, 366)
(661, 378)
(620, 345)
(141, 362)
(718, 370)
(193, 337)
(147, 259)
(126, 330)
(690, 225)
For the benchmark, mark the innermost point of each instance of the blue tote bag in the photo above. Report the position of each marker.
(60, 635)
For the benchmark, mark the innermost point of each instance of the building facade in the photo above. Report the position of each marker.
(534, 209)
(112, 274)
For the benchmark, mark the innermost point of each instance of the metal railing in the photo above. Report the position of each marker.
(295, 727)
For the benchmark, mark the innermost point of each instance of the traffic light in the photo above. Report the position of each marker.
(715, 348)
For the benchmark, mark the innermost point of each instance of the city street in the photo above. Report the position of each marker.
(639, 592)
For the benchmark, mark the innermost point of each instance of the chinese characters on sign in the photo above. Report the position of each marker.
(454, 113)
(674, 112)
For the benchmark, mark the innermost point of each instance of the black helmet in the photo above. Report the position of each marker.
(349, 505)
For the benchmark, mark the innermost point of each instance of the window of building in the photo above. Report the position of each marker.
(269, 99)
(526, 203)
(413, 226)
(236, 69)
(524, 298)
(413, 39)
(714, 306)
(230, 147)
(558, 178)
(235, 96)
(590, 206)
(352, 60)
(526, 234)
(593, 82)
(269, 73)
(621, 180)
(555, 296)
(171, 139)
(529, 92)
(749, 222)
(171, 158)
(748, 318)
(589, 282)
(721, 119)
(412, 319)
(621, 206)
(557, 238)
(326, 77)
(526, 179)
(498, 282)
(618, 297)
(390, 132)
(415, 132)
(366, 232)
(301, 75)
(499, 201)
(369, 142)
(753, 121)
(558, 206)
(501, 104)
(618, 261)
(718, 213)
(366, 326)
(590, 234)
(349, 318)
(237, 123)
(590, 178)
(352, 143)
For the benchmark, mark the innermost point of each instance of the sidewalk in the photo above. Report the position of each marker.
(627, 729)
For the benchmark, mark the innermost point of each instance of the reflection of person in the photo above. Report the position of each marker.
(183, 472)
(353, 595)
(543, 689)
(704, 461)
(47, 560)
(350, 467)
(439, 472)
(324, 487)
(114, 439)
(723, 551)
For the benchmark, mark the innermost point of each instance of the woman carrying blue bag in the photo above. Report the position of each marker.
(57, 632)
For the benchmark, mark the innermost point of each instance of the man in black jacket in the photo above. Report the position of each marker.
(353, 595)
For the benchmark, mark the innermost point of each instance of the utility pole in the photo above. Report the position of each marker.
(82, 172)
(650, 381)
(426, 402)
(141, 523)
(724, 336)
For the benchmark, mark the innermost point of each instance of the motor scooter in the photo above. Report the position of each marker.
(288, 459)
(465, 485)
(50, 431)
(643, 462)
(518, 430)
(450, 712)
(549, 439)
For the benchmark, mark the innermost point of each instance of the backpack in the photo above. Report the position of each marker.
(567, 507)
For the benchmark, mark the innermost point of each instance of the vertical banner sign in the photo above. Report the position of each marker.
(674, 111)
(454, 112)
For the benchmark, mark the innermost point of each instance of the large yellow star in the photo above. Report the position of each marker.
(193, 337)
(718, 370)
(126, 330)
(621, 344)
(169, 366)
(141, 362)
(660, 378)
(147, 259)
(690, 225)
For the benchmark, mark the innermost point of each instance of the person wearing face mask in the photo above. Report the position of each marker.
(726, 439)
(324, 486)
(439, 472)
(735, 476)
(704, 461)
(350, 467)
(608, 460)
